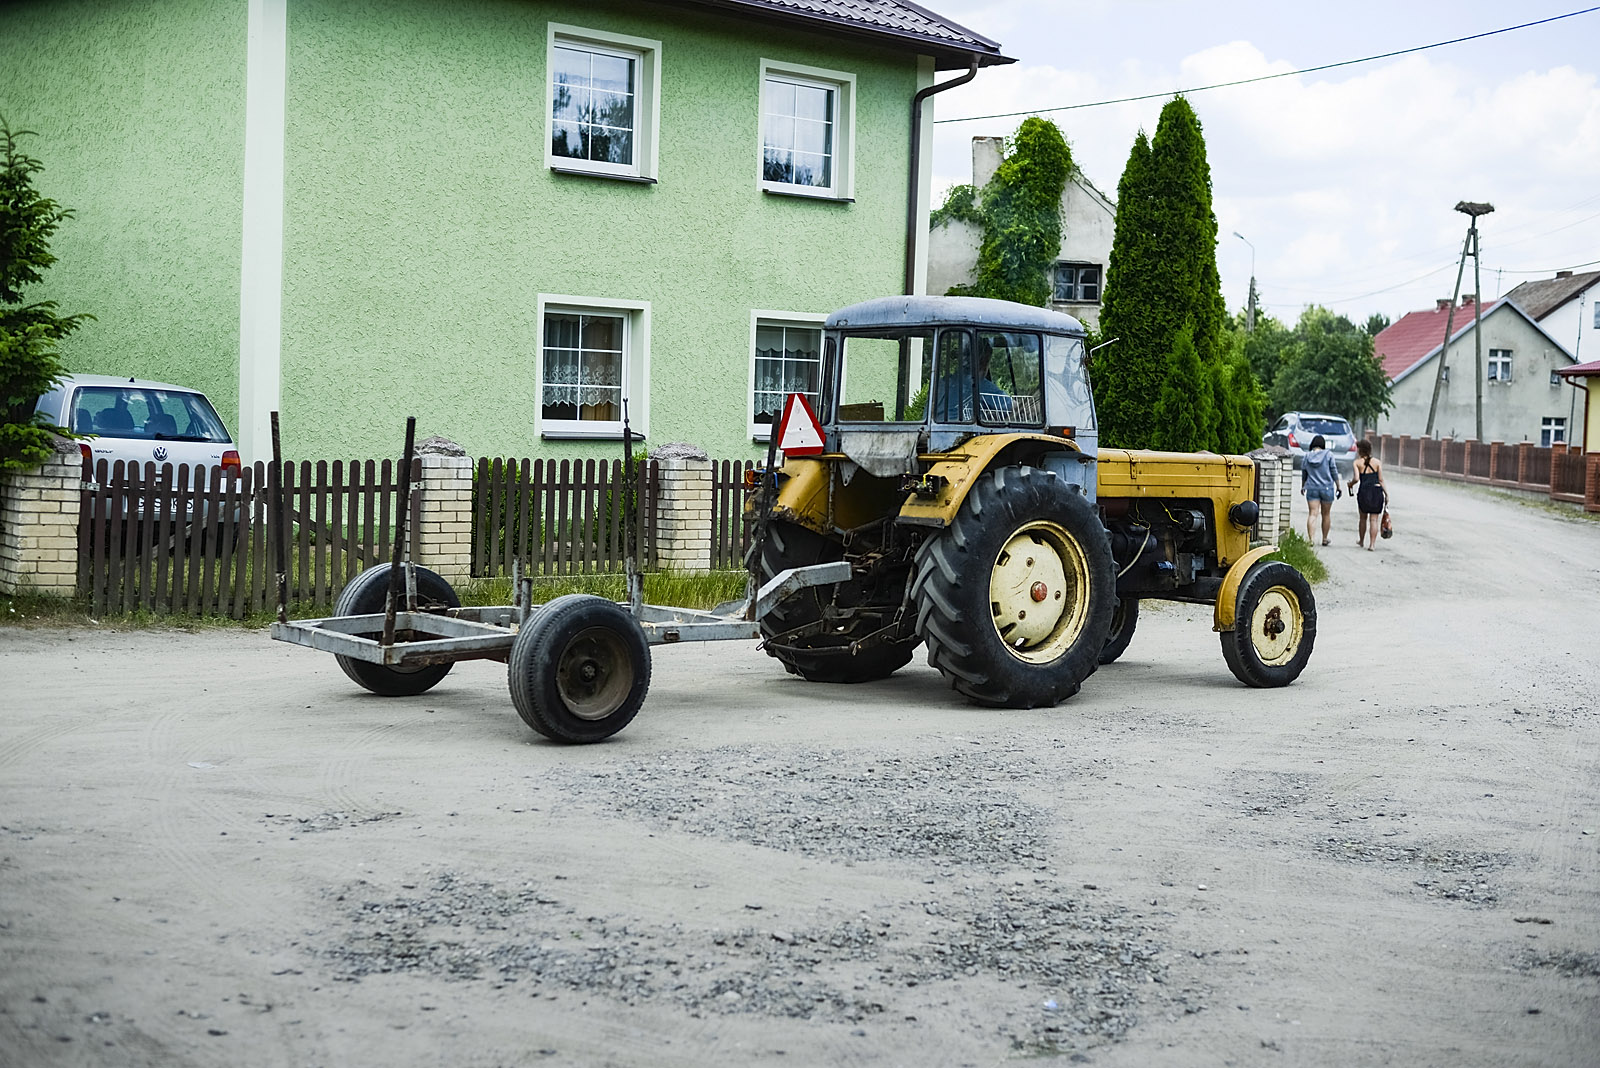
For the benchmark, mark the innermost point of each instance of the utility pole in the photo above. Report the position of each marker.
(1250, 312)
(1470, 245)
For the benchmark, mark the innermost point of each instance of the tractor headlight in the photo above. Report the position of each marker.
(1244, 514)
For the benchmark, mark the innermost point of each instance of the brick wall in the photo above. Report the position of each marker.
(442, 541)
(39, 525)
(683, 509)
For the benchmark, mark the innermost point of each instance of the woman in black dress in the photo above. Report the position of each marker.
(1372, 498)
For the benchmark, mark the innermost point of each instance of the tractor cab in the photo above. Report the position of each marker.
(909, 377)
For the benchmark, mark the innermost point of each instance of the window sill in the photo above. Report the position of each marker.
(802, 194)
(579, 172)
(597, 434)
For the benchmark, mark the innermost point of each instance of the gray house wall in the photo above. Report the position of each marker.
(1512, 411)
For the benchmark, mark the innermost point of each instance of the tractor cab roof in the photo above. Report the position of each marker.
(885, 313)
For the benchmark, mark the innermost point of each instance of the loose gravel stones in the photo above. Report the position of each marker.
(1078, 975)
(958, 807)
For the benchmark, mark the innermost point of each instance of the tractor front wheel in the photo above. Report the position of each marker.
(1015, 597)
(1274, 626)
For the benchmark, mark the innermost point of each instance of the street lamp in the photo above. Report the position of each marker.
(1250, 314)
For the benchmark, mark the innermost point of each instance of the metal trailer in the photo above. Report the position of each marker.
(579, 666)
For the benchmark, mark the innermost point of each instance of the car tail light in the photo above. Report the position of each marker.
(230, 461)
(88, 459)
(1293, 444)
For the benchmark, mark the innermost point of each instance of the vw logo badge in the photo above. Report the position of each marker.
(160, 453)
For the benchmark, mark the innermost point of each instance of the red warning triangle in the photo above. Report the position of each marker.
(800, 434)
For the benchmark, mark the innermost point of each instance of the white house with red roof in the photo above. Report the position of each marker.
(1524, 398)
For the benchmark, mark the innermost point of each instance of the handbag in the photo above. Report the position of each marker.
(1388, 527)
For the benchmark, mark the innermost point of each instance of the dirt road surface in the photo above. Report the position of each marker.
(215, 850)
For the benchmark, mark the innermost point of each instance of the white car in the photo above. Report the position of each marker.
(141, 422)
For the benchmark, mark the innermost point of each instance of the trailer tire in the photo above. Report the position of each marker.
(579, 669)
(1023, 540)
(821, 657)
(1124, 618)
(366, 594)
(1274, 626)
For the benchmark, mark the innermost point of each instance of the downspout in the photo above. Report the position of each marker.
(912, 228)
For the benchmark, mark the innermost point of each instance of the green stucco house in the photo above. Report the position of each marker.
(501, 216)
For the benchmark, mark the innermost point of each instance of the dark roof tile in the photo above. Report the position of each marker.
(1544, 295)
(899, 19)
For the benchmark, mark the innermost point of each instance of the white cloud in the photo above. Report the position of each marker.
(1345, 179)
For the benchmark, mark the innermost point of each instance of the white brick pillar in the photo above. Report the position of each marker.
(1276, 494)
(39, 525)
(683, 508)
(443, 540)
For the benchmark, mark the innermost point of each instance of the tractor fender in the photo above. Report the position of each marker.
(1228, 595)
(951, 475)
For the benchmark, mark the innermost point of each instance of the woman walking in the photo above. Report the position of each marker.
(1319, 481)
(1372, 498)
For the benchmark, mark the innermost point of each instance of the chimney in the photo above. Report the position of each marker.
(1563, 274)
(986, 153)
(1442, 304)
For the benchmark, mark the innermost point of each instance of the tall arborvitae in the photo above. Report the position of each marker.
(1163, 280)
(1128, 372)
(1183, 409)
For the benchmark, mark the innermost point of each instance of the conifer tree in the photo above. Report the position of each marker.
(1163, 291)
(1183, 410)
(1127, 374)
(29, 364)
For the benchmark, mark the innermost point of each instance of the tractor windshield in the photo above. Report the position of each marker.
(884, 378)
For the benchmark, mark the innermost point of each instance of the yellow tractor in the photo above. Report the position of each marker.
(954, 464)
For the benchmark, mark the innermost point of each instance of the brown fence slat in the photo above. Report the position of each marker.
(164, 537)
(99, 561)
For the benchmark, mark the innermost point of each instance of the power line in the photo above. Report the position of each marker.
(1270, 77)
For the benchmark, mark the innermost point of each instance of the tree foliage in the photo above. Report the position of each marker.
(29, 362)
(1163, 299)
(1329, 366)
(1020, 212)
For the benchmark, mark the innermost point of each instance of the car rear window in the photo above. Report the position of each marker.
(1326, 426)
(142, 412)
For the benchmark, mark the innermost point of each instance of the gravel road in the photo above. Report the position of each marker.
(215, 850)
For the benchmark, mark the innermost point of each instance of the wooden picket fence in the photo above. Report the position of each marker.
(560, 517)
(1563, 472)
(730, 534)
(174, 541)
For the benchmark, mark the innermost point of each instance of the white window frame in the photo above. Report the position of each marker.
(758, 319)
(635, 366)
(1553, 425)
(647, 101)
(1498, 365)
(843, 85)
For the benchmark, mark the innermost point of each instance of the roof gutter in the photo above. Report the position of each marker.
(912, 229)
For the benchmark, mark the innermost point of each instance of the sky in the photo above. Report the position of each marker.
(1344, 181)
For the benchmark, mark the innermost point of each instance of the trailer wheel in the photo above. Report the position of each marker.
(1015, 597)
(579, 669)
(826, 657)
(1124, 618)
(365, 595)
(1274, 626)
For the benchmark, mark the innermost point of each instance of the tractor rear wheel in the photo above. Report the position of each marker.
(1124, 618)
(825, 656)
(1015, 597)
(1274, 626)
